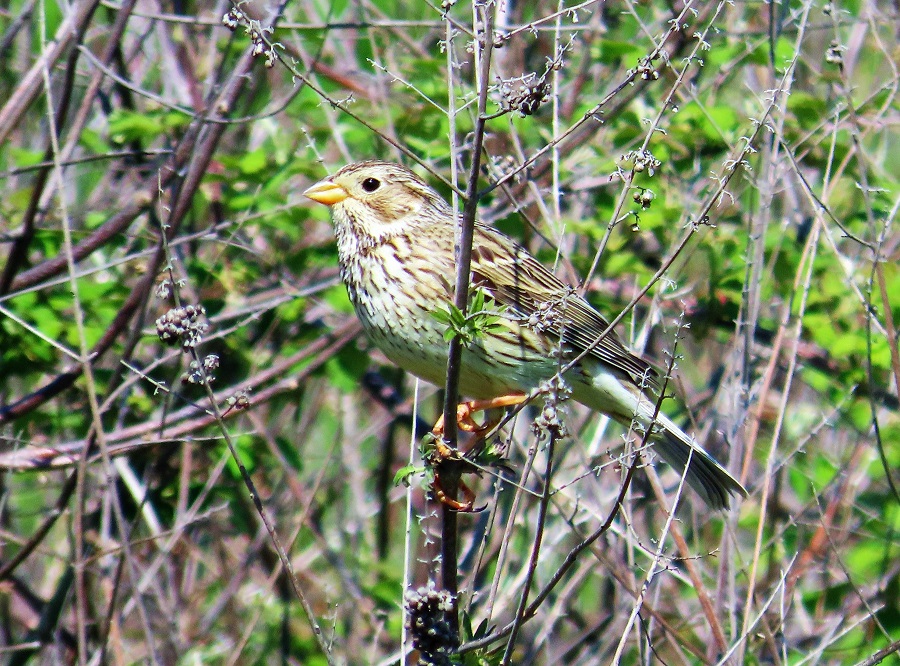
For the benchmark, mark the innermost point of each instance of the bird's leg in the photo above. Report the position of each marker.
(465, 506)
(466, 423)
(465, 410)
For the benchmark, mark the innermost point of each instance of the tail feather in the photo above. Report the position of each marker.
(704, 474)
(608, 393)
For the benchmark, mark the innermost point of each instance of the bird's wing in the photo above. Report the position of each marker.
(549, 306)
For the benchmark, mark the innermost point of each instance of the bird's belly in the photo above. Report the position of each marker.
(505, 359)
(495, 363)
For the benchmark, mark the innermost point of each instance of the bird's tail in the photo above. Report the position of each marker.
(704, 474)
(626, 403)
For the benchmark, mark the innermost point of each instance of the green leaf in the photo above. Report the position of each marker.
(128, 126)
(337, 298)
(610, 51)
(404, 473)
(483, 316)
(345, 370)
(253, 162)
(25, 158)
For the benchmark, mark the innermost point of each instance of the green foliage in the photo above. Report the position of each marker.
(482, 316)
(126, 127)
(346, 368)
(405, 474)
(478, 657)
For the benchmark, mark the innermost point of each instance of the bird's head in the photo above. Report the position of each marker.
(377, 200)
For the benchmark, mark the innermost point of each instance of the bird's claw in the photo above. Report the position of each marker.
(467, 505)
(443, 452)
(465, 410)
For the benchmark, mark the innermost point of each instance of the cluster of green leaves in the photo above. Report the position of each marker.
(481, 317)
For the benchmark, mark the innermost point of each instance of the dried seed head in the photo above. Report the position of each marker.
(233, 18)
(525, 94)
(644, 197)
(240, 400)
(835, 54)
(182, 326)
(428, 618)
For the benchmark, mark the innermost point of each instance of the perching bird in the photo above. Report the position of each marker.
(395, 238)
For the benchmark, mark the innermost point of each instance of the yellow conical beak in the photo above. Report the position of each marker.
(326, 192)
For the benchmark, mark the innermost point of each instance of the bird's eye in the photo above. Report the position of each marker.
(371, 184)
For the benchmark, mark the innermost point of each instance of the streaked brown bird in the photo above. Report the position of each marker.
(395, 238)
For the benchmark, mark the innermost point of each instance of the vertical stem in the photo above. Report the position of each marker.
(535, 551)
(450, 470)
(410, 521)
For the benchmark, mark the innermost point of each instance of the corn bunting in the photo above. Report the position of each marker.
(395, 238)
